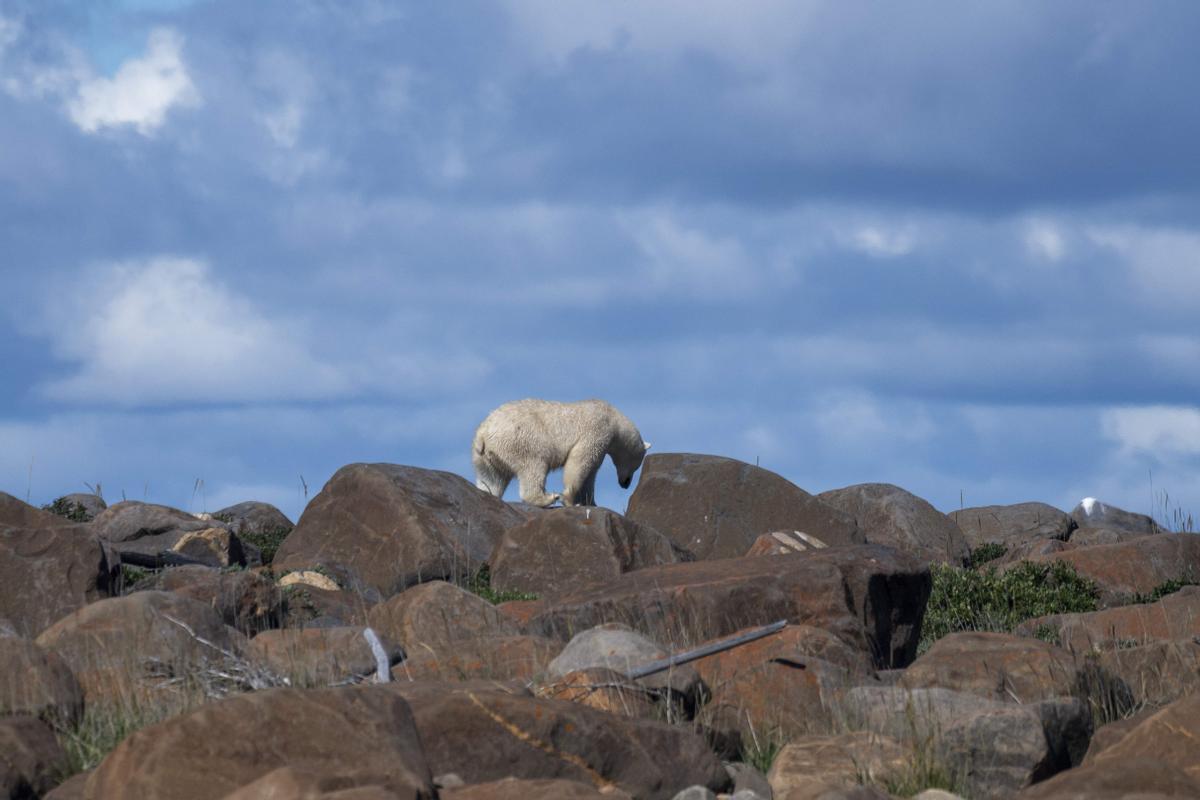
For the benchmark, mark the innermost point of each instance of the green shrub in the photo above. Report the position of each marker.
(267, 541)
(481, 584)
(69, 509)
(1163, 589)
(985, 553)
(962, 600)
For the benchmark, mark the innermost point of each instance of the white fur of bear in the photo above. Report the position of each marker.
(527, 439)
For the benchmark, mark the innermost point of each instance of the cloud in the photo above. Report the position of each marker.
(141, 92)
(883, 243)
(166, 331)
(1044, 240)
(1156, 430)
(1163, 263)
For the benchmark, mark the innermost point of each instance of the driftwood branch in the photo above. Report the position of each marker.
(709, 649)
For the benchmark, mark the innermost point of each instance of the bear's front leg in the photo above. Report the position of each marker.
(533, 489)
(579, 478)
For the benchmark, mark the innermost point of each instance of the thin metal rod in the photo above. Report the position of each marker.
(707, 650)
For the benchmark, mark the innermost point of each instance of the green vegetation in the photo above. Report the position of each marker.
(761, 755)
(266, 541)
(69, 509)
(990, 600)
(481, 584)
(1163, 589)
(131, 575)
(985, 553)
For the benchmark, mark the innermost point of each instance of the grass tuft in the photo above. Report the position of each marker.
(481, 584)
(69, 509)
(985, 553)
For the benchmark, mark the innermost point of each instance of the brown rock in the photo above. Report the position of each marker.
(31, 760)
(48, 572)
(214, 547)
(390, 527)
(253, 517)
(999, 666)
(37, 682)
(1026, 550)
(246, 600)
(809, 766)
(1092, 513)
(487, 735)
(603, 689)
(782, 686)
(1134, 567)
(308, 606)
(15, 513)
(1108, 735)
(436, 616)
(891, 516)
(1175, 616)
(521, 611)
(716, 507)
(70, 789)
(119, 647)
(1136, 780)
(869, 596)
(148, 528)
(1084, 537)
(518, 789)
(1157, 673)
(1170, 736)
(1012, 525)
(366, 731)
(620, 648)
(300, 783)
(558, 551)
(497, 657)
(318, 656)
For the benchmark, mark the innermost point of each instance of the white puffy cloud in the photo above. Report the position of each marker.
(141, 92)
(1044, 239)
(1159, 430)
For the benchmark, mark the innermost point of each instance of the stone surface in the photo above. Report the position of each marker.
(50, 569)
(1091, 513)
(1175, 616)
(247, 601)
(145, 528)
(619, 648)
(521, 789)
(996, 752)
(808, 767)
(390, 527)
(891, 516)
(1134, 567)
(781, 686)
(16, 513)
(716, 507)
(522, 658)
(1108, 735)
(1084, 537)
(300, 783)
(1025, 550)
(604, 689)
(872, 597)
(777, 543)
(1170, 736)
(434, 617)
(488, 735)
(92, 504)
(117, 647)
(31, 759)
(319, 656)
(1136, 780)
(307, 606)
(998, 666)
(309, 577)
(366, 731)
(1012, 525)
(37, 682)
(214, 547)
(253, 517)
(564, 548)
(1156, 673)
(70, 789)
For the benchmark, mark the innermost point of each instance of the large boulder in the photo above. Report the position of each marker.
(1084, 537)
(1135, 567)
(365, 734)
(50, 569)
(31, 759)
(483, 735)
(564, 548)
(1013, 524)
(436, 616)
(389, 527)
(716, 507)
(78, 506)
(37, 682)
(621, 649)
(253, 517)
(1091, 513)
(521, 658)
(1157, 673)
(870, 596)
(146, 528)
(120, 647)
(998, 666)
(811, 766)
(16, 513)
(248, 601)
(889, 515)
(1175, 616)
(320, 656)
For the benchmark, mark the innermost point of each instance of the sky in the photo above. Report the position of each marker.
(950, 246)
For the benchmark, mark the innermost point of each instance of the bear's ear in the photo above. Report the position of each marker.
(645, 446)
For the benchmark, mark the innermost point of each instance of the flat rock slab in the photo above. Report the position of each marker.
(716, 507)
(891, 516)
(810, 766)
(1175, 616)
(387, 527)
(1135, 780)
(1012, 525)
(871, 597)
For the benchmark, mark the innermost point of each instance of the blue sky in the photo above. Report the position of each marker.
(950, 246)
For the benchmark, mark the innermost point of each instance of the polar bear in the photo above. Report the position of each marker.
(527, 439)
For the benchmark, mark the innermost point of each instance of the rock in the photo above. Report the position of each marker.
(366, 732)
(15, 513)
(1137, 780)
(299, 783)
(307, 606)
(872, 597)
(246, 600)
(1027, 550)
(716, 507)
(619, 648)
(1084, 537)
(1108, 735)
(1170, 736)
(564, 548)
(489, 735)
(784, 685)
(51, 570)
(604, 689)
(810, 766)
(520, 658)
(998, 666)
(936, 794)
(1134, 567)
(253, 517)
(1091, 513)
(436, 616)
(309, 577)
(695, 793)
(996, 752)
(119, 647)
(214, 547)
(748, 779)
(36, 682)
(31, 759)
(778, 543)
(319, 656)
(1175, 616)
(147, 528)
(1157, 673)
(889, 515)
(519, 789)
(79, 506)
(392, 527)
(1012, 525)
(70, 789)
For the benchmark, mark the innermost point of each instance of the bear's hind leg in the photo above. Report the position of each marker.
(533, 489)
(490, 479)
